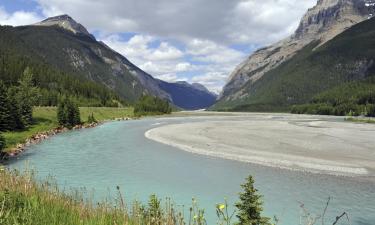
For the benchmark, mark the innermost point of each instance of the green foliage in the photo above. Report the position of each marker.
(26, 96)
(65, 64)
(349, 99)
(223, 214)
(250, 205)
(17, 102)
(68, 113)
(150, 105)
(91, 119)
(45, 119)
(6, 119)
(155, 210)
(2, 144)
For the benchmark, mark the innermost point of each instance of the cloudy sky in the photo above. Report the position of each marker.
(192, 40)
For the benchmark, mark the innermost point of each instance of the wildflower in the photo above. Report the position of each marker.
(221, 207)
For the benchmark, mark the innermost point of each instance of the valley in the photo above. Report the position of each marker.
(187, 112)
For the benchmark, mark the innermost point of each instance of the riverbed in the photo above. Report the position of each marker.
(118, 153)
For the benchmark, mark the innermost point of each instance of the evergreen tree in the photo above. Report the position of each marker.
(27, 96)
(250, 205)
(6, 119)
(68, 114)
(2, 145)
(17, 121)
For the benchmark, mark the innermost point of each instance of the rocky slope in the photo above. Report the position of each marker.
(67, 45)
(321, 23)
(345, 61)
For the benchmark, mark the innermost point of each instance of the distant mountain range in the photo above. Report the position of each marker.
(325, 51)
(67, 46)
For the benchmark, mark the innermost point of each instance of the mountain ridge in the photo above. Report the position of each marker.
(62, 42)
(321, 23)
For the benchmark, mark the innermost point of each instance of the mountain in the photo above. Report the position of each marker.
(65, 45)
(189, 96)
(270, 65)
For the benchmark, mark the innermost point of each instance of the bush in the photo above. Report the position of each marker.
(91, 119)
(68, 113)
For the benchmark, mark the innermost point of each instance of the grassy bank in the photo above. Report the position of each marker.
(45, 119)
(25, 201)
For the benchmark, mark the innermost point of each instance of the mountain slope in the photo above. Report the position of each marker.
(348, 57)
(189, 96)
(66, 45)
(321, 23)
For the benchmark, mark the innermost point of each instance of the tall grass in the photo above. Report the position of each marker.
(23, 200)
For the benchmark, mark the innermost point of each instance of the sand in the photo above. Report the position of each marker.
(309, 143)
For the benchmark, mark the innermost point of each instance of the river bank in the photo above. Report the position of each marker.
(118, 154)
(45, 125)
(307, 143)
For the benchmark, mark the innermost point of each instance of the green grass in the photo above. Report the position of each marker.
(25, 201)
(45, 119)
(360, 120)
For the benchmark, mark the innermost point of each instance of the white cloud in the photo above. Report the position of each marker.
(165, 52)
(165, 59)
(212, 80)
(205, 29)
(172, 77)
(18, 18)
(208, 51)
(220, 21)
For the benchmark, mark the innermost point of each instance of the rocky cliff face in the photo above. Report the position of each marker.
(66, 22)
(321, 23)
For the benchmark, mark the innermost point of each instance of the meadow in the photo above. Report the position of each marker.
(45, 119)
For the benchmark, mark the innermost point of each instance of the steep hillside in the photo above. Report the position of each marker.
(189, 96)
(65, 45)
(319, 65)
(321, 23)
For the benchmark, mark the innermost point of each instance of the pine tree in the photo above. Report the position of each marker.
(6, 119)
(68, 114)
(250, 205)
(2, 144)
(17, 121)
(27, 96)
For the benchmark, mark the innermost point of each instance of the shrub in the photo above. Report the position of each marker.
(91, 119)
(68, 113)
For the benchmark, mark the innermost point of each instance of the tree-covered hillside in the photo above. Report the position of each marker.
(77, 55)
(54, 82)
(348, 57)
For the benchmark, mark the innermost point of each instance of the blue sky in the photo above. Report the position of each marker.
(191, 40)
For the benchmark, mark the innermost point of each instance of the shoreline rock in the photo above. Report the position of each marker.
(41, 136)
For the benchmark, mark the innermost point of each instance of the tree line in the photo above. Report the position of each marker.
(150, 105)
(350, 99)
(54, 83)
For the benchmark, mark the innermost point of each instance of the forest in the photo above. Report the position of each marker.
(350, 99)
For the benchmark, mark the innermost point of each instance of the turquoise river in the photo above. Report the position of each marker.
(118, 154)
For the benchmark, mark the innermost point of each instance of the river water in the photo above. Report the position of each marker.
(118, 154)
